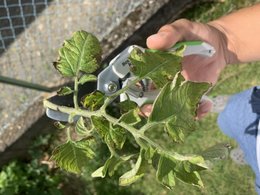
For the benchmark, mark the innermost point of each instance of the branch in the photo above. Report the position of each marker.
(75, 93)
(101, 113)
(70, 110)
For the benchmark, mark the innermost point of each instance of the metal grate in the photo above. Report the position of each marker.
(15, 17)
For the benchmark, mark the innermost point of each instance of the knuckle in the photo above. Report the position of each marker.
(179, 26)
(184, 23)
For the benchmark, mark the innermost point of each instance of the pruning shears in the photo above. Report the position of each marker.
(118, 74)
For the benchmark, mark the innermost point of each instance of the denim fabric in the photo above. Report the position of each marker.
(239, 121)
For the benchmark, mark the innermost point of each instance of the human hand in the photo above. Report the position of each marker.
(194, 67)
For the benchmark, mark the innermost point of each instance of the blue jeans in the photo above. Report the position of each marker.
(239, 121)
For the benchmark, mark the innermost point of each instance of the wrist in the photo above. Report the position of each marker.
(228, 42)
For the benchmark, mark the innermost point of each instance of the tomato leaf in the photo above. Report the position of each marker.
(74, 155)
(160, 66)
(59, 125)
(169, 168)
(93, 101)
(127, 105)
(110, 166)
(80, 53)
(114, 136)
(176, 106)
(131, 117)
(136, 173)
(81, 127)
(64, 91)
(87, 78)
(217, 152)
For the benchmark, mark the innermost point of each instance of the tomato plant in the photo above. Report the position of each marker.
(127, 135)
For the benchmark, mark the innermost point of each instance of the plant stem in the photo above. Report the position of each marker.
(137, 135)
(133, 82)
(75, 93)
(70, 110)
(147, 126)
(68, 133)
(112, 151)
(102, 113)
(131, 129)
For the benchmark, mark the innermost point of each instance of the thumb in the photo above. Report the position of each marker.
(169, 34)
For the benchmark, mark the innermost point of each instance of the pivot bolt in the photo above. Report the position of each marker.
(111, 87)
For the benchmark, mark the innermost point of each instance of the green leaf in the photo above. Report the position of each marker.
(64, 91)
(59, 125)
(160, 66)
(169, 168)
(93, 101)
(131, 117)
(216, 152)
(175, 129)
(127, 105)
(73, 156)
(176, 106)
(165, 171)
(87, 78)
(71, 118)
(110, 166)
(80, 53)
(81, 128)
(177, 97)
(114, 136)
(187, 173)
(136, 173)
(149, 154)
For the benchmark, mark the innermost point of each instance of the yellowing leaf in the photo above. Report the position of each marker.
(59, 125)
(94, 100)
(169, 168)
(114, 136)
(136, 173)
(80, 53)
(73, 156)
(110, 166)
(165, 172)
(131, 117)
(64, 91)
(160, 66)
(87, 78)
(81, 128)
(127, 105)
(176, 106)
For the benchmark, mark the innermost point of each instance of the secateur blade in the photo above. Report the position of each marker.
(68, 102)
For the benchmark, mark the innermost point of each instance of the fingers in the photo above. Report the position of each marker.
(169, 34)
(204, 108)
(164, 39)
(146, 110)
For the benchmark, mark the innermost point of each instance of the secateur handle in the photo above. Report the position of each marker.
(191, 48)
